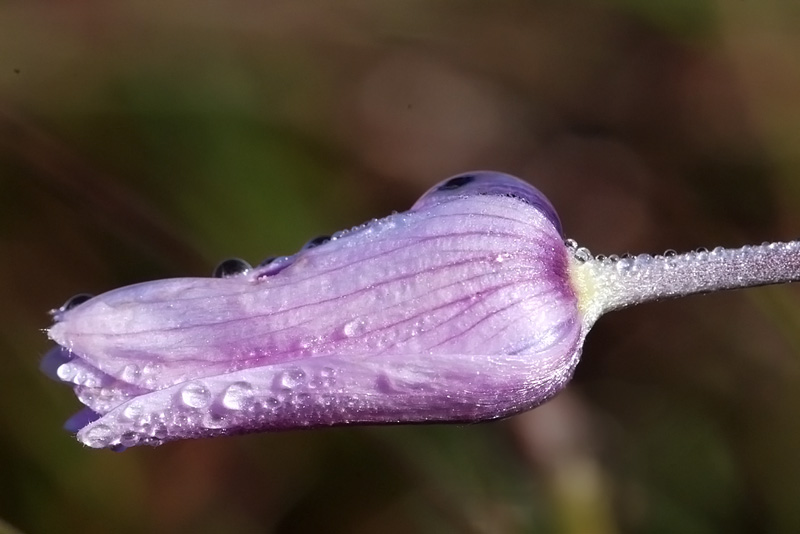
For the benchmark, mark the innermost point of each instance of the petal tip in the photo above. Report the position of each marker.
(80, 420)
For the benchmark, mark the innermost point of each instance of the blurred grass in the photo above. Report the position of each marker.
(142, 141)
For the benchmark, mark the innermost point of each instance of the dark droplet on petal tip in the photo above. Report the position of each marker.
(267, 261)
(317, 241)
(455, 183)
(231, 267)
(72, 302)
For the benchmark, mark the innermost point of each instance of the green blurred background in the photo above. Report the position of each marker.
(143, 140)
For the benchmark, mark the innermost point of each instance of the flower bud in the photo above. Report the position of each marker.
(458, 310)
(468, 307)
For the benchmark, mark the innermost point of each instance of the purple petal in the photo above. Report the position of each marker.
(458, 310)
(326, 391)
(80, 420)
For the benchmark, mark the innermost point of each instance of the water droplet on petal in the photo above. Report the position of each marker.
(129, 439)
(456, 182)
(98, 436)
(583, 254)
(195, 395)
(354, 328)
(214, 420)
(317, 241)
(75, 301)
(66, 372)
(133, 411)
(292, 378)
(231, 267)
(151, 368)
(160, 432)
(86, 396)
(130, 373)
(238, 396)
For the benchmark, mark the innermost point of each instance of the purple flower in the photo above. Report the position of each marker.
(460, 309)
(468, 307)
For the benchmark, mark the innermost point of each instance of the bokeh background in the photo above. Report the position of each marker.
(143, 140)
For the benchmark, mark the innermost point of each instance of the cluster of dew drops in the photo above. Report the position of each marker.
(584, 255)
(274, 264)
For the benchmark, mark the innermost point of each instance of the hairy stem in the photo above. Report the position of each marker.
(606, 284)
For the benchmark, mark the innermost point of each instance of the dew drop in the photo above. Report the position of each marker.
(214, 420)
(571, 244)
(292, 378)
(150, 369)
(75, 301)
(669, 253)
(317, 241)
(133, 411)
(98, 436)
(195, 395)
(354, 328)
(275, 266)
(129, 439)
(66, 372)
(457, 182)
(91, 382)
(130, 373)
(582, 254)
(231, 267)
(86, 396)
(238, 396)
(160, 432)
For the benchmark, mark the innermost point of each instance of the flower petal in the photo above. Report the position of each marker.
(460, 309)
(445, 280)
(333, 390)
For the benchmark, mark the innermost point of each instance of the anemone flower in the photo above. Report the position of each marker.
(468, 307)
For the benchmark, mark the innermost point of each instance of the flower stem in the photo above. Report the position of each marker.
(605, 284)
